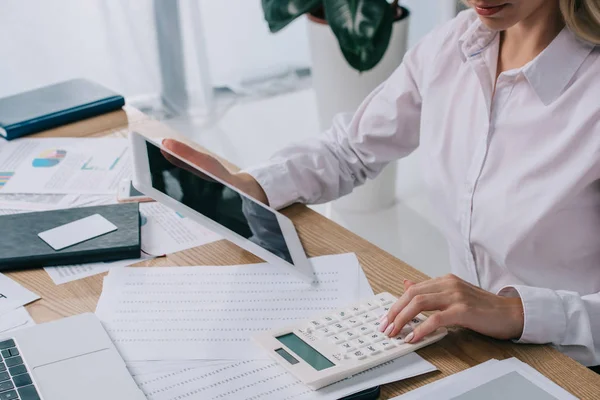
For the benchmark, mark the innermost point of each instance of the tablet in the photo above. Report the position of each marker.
(222, 208)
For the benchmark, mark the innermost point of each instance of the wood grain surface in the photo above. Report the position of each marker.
(459, 350)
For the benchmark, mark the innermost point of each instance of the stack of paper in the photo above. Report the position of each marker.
(56, 173)
(186, 332)
(492, 380)
(13, 297)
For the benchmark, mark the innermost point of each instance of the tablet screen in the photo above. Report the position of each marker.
(216, 201)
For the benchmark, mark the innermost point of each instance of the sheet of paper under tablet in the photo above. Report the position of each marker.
(188, 313)
(265, 380)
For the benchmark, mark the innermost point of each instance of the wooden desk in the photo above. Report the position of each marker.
(459, 350)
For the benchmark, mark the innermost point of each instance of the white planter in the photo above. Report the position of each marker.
(340, 88)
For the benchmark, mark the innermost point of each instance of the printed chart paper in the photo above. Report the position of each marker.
(64, 165)
(188, 313)
(266, 380)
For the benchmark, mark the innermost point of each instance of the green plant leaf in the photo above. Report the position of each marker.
(279, 13)
(363, 29)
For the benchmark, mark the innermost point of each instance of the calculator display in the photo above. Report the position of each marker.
(305, 352)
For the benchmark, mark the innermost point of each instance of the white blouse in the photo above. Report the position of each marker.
(514, 176)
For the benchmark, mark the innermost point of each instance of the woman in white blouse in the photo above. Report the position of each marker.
(505, 101)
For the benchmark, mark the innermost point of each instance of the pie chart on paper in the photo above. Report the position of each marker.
(49, 158)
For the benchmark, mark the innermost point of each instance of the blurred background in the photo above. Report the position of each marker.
(212, 70)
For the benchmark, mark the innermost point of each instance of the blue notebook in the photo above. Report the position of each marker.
(55, 105)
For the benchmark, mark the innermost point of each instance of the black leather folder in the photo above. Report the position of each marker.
(20, 246)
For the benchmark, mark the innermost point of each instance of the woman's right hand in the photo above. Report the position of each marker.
(244, 182)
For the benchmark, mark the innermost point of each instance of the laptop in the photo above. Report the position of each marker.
(69, 359)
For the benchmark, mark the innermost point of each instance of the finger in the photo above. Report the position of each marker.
(195, 157)
(407, 284)
(431, 324)
(419, 303)
(430, 286)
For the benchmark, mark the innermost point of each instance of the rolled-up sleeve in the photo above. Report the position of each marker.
(356, 147)
(566, 319)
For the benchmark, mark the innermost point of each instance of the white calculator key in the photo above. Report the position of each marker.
(337, 339)
(347, 347)
(386, 345)
(349, 334)
(414, 322)
(358, 343)
(372, 350)
(353, 322)
(339, 327)
(397, 340)
(364, 329)
(328, 320)
(359, 355)
(376, 337)
(314, 324)
(344, 314)
(383, 300)
(325, 332)
(405, 331)
(367, 317)
(375, 324)
(371, 305)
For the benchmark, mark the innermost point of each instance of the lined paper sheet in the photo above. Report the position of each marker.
(262, 380)
(188, 313)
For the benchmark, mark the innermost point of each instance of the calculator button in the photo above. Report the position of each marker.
(376, 337)
(339, 327)
(359, 355)
(414, 322)
(367, 317)
(358, 343)
(350, 334)
(337, 339)
(314, 324)
(324, 332)
(386, 345)
(344, 314)
(372, 350)
(353, 322)
(347, 347)
(383, 300)
(364, 329)
(328, 320)
(362, 342)
(375, 324)
(371, 305)
(405, 331)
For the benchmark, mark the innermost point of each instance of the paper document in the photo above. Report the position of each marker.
(188, 313)
(16, 319)
(64, 165)
(163, 367)
(13, 295)
(492, 380)
(165, 231)
(256, 380)
(70, 273)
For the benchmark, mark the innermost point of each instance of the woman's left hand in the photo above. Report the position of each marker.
(459, 303)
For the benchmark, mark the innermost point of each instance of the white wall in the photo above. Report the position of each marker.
(113, 41)
(109, 41)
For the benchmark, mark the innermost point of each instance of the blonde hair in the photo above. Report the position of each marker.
(582, 17)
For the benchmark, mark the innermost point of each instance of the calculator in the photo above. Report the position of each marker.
(341, 344)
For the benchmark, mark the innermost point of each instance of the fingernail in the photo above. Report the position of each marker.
(404, 281)
(384, 322)
(409, 337)
(389, 329)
